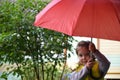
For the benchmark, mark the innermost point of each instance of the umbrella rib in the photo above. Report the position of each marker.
(43, 12)
(73, 29)
(116, 10)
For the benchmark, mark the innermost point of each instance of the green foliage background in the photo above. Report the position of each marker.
(29, 52)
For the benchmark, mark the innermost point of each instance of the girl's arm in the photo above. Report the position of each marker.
(104, 64)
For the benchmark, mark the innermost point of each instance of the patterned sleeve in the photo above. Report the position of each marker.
(66, 77)
(77, 75)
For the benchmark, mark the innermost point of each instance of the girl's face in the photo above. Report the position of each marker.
(83, 55)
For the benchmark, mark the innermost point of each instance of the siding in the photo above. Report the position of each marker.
(111, 49)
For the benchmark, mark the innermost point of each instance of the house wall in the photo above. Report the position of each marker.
(111, 49)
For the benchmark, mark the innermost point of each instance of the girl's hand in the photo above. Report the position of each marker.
(92, 47)
(90, 63)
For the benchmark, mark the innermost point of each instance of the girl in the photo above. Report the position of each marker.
(92, 64)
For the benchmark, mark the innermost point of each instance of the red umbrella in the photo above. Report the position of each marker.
(89, 18)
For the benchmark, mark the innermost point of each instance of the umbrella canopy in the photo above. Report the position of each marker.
(88, 18)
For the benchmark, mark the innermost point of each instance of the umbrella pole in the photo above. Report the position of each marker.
(91, 53)
(91, 39)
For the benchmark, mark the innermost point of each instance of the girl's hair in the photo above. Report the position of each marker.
(82, 44)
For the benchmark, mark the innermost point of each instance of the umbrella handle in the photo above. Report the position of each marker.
(91, 54)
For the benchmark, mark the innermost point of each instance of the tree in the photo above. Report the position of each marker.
(33, 53)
